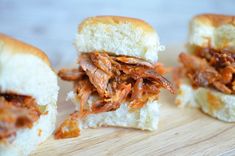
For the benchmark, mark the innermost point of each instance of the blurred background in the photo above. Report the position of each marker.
(52, 25)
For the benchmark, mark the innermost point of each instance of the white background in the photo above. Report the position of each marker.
(51, 25)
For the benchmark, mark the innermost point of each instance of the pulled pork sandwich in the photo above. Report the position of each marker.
(28, 95)
(117, 82)
(206, 77)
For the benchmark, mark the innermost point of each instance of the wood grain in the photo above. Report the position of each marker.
(182, 131)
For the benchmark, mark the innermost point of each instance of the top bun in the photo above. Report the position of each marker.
(211, 30)
(118, 35)
(26, 70)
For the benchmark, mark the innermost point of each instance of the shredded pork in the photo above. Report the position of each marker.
(16, 112)
(115, 79)
(210, 68)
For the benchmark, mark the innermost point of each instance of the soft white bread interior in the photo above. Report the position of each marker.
(210, 30)
(27, 139)
(212, 102)
(118, 35)
(25, 70)
(145, 118)
(185, 94)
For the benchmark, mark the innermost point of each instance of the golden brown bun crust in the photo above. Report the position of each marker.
(116, 20)
(215, 19)
(16, 46)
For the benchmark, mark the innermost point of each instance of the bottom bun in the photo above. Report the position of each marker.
(26, 140)
(212, 102)
(145, 118)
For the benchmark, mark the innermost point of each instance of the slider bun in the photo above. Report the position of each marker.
(118, 35)
(145, 118)
(211, 102)
(216, 31)
(26, 70)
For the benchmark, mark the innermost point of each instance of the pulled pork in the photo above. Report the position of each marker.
(115, 79)
(210, 68)
(16, 112)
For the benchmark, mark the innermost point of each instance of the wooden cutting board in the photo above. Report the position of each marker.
(182, 131)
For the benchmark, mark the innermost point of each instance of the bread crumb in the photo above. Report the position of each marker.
(39, 132)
